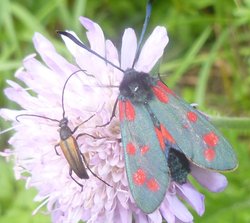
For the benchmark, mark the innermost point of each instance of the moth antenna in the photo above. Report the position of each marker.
(144, 27)
(38, 116)
(79, 43)
(64, 86)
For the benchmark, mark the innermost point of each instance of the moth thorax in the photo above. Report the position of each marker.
(136, 86)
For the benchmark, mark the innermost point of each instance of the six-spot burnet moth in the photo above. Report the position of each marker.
(68, 143)
(161, 134)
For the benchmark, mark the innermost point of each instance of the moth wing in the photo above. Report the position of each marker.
(196, 137)
(146, 165)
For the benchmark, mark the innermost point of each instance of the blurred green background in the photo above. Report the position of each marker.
(207, 62)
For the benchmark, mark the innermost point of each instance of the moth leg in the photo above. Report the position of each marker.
(112, 116)
(195, 106)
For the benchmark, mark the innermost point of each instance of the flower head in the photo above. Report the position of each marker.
(34, 139)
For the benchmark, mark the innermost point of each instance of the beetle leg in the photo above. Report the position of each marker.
(74, 130)
(86, 134)
(84, 160)
(70, 173)
(56, 149)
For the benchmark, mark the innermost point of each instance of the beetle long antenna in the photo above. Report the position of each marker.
(79, 43)
(144, 27)
(64, 86)
(38, 116)
(74, 130)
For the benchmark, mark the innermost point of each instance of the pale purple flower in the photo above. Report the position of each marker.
(34, 139)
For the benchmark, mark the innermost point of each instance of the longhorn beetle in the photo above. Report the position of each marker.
(68, 143)
(161, 134)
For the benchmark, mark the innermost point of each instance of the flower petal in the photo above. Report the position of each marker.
(178, 208)
(97, 42)
(19, 95)
(37, 76)
(213, 181)
(125, 215)
(112, 56)
(155, 217)
(112, 53)
(89, 62)
(95, 35)
(49, 55)
(152, 50)
(140, 218)
(166, 213)
(128, 50)
(192, 196)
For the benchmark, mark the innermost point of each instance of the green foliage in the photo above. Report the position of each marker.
(206, 61)
(16, 203)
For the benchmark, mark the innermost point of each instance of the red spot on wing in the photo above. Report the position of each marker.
(121, 110)
(211, 139)
(144, 150)
(165, 88)
(153, 185)
(139, 177)
(209, 154)
(160, 138)
(160, 94)
(192, 116)
(185, 126)
(131, 150)
(163, 134)
(166, 134)
(129, 110)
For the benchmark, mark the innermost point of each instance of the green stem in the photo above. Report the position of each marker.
(232, 123)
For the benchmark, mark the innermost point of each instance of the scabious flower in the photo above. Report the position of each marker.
(33, 141)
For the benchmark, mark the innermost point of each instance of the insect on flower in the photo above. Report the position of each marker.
(68, 143)
(161, 134)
